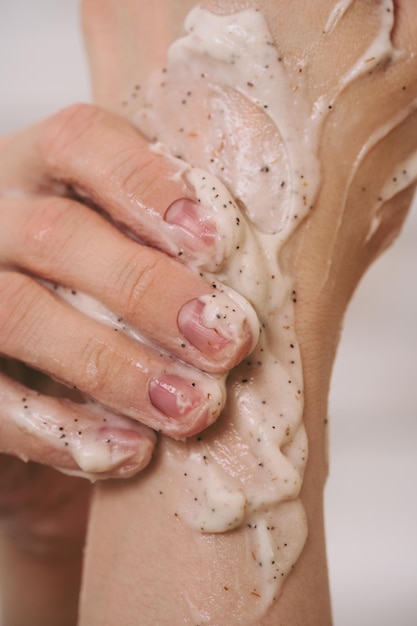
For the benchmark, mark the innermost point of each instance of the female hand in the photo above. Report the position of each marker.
(142, 351)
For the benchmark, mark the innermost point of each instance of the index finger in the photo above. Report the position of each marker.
(108, 162)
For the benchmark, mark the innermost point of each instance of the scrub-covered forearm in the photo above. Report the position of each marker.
(305, 115)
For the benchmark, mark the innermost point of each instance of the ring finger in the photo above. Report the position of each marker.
(126, 376)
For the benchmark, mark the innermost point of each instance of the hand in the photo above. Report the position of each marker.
(77, 295)
(59, 257)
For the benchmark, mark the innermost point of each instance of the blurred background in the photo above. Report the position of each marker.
(371, 496)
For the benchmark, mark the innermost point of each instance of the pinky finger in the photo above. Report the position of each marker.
(80, 439)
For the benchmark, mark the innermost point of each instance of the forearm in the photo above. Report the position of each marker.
(196, 555)
(342, 228)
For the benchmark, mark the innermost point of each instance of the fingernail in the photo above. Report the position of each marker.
(194, 404)
(218, 327)
(193, 325)
(192, 218)
(173, 395)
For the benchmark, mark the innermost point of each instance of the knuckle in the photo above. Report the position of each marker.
(60, 133)
(132, 278)
(45, 231)
(137, 171)
(19, 299)
(98, 366)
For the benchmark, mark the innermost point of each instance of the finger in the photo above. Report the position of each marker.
(107, 161)
(126, 376)
(79, 439)
(62, 241)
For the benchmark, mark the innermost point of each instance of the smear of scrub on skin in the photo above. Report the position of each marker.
(226, 101)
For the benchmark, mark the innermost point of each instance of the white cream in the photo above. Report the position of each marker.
(227, 102)
(286, 164)
(379, 50)
(337, 13)
(399, 180)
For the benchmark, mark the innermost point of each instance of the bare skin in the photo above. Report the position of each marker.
(137, 576)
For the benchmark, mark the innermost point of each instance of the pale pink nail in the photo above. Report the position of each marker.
(174, 396)
(192, 218)
(190, 322)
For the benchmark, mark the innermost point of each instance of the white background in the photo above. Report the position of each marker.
(371, 501)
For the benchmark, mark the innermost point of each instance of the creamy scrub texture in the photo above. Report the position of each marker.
(227, 102)
(220, 82)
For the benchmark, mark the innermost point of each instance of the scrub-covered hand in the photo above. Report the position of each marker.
(109, 313)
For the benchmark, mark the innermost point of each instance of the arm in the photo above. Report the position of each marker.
(160, 562)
